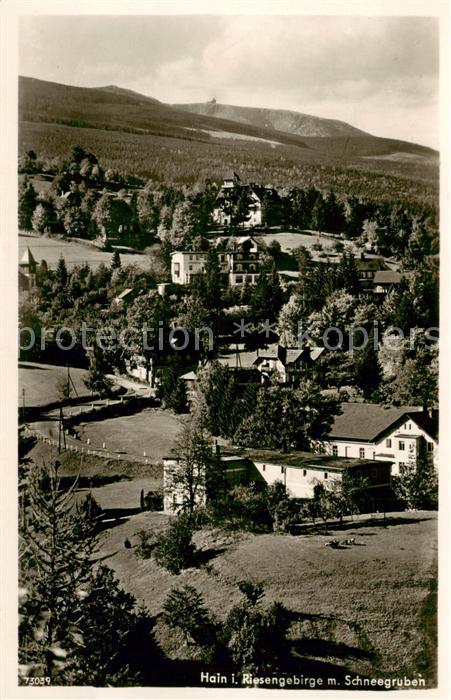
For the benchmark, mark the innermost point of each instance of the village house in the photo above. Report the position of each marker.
(288, 365)
(373, 431)
(367, 267)
(126, 297)
(384, 281)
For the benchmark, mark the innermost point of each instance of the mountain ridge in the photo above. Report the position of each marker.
(285, 120)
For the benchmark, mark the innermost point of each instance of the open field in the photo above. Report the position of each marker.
(365, 609)
(41, 382)
(289, 240)
(152, 431)
(51, 249)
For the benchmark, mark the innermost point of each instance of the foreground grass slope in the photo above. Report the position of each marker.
(366, 609)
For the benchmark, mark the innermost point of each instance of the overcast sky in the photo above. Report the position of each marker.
(377, 73)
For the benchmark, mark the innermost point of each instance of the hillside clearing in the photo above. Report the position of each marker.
(40, 383)
(361, 608)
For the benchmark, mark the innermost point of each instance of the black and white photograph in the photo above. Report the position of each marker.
(227, 245)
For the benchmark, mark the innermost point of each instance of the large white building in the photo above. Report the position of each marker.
(239, 261)
(373, 431)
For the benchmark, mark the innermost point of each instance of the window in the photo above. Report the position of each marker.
(282, 470)
(410, 426)
(176, 269)
(401, 445)
(304, 472)
(252, 267)
(388, 442)
(239, 279)
(430, 446)
(362, 453)
(326, 475)
(335, 450)
(264, 468)
(190, 268)
(239, 268)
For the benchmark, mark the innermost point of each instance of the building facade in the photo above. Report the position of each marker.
(186, 264)
(372, 431)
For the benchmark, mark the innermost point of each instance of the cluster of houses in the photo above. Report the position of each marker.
(368, 441)
(241, 257)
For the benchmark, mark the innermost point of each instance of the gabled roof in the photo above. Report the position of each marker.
(289, 356)
(124, 294)
(189, 376)
(233, 242)
(387, 277)
(27, 258)
(368, 421)
(370, 264)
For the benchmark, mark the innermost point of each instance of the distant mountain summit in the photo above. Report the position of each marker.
(283, 120)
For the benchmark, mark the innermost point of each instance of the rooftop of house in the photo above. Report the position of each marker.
(368, 421)
(203, 253)
(298, 460)
(366, 264)
(27, 258)
(387, 277)
(233, 242)
(288, 355)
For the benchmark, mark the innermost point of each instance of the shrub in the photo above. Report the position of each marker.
(144, 547)
(254, 636)
(184, 608)
(152, 500)
(174, 549)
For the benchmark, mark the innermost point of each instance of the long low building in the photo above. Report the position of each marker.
(298, 471)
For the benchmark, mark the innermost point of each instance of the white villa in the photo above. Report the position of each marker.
(186, 264)
(372, 431)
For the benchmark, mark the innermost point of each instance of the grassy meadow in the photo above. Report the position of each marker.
(366, 609)
(51, 249)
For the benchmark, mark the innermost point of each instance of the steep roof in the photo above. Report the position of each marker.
(367, 421)
(27, 258)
